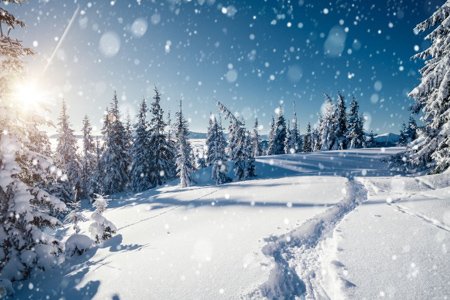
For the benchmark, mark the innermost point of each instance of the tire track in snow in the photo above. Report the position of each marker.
(170, 209)
(297, 267)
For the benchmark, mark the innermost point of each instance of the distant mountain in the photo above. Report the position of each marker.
(387, 139)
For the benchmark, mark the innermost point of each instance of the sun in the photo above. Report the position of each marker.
(27, 94)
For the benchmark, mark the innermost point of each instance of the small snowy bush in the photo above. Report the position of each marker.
(101, 229)
(77, 244)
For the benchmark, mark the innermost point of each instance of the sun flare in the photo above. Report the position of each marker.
(28, 94)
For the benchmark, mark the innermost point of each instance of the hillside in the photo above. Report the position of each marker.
(328, 225)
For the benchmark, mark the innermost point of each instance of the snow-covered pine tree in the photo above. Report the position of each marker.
(403, 139)
(75, 215)
(271, 137)
(327, 127)
(128, 137)
(294, 141)
(276, 144)
(218, 154)
(412, 129)
(315, 138)
(101, 229)
(114, 160)
(89, 159)
(163, 164)
(26, 210)
(185, 165)
(239, 146)
(432, 95)
(140, 152)
(341, 124)
(200, 161)
(210, 140)
(66, 156)
(286, 147)
(355, 131)
(371, 142)
(257, 146)
(307, 140)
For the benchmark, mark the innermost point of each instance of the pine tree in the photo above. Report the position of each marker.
(140, 152)
(185, 165)
(66, 156)
(287, 148)
(88, 162)
(26, 210)
(403, 139)
(115, 155)
(210, 140)
(432, 96)
(341, 124)
(276, 145)
(239, 146)
(328, 126)
(307, 140)
(101, 229)
(257, 146)
(271, 137)
(163, 165)
(293, 141)
(218, 154)
(371, 142)
(355, 132)
(412, 129)
(315, 139)
(75, 215)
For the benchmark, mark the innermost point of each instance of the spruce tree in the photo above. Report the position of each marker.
(163, 165)
(88, 161)
(403, 139)
(355, 132)
(218, 156)
(26, 210)
(210, 140)
(294, 142)
(315, 138)
(257, 146)
(412, 129)
(307, 140)
(287, 148)
(66, 156)
(140, 152)
(432, 95)
(271, 137)
(371, 142)
(276, 144)
(341, 124)
(328, 126)
(239, 146)
(115, 154)
(185, 165)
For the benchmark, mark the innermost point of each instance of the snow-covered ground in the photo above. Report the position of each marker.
(325, 225)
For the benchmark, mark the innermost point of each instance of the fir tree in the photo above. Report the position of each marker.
(66, 156)
(89, 160)
(115, 155)
(185, 165)
(101, 229)
(327, 126)
(210, 140)
(315, 139)
(257, 146)
(371, 142)
(140, 153)
(307, 140)
(276, 144)
(412, 129)
(271, 137)
(217, 152)
(355, 132)
(294, 142)
(26, 209)
(163, 165)
(403, 139)
(287, 148)
(341, 124)
(239, 146)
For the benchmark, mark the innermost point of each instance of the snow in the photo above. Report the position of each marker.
(335, 224)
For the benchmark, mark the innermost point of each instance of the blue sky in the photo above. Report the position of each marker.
(250, 55)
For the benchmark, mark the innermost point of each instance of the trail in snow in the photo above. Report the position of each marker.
(297, 269)
(423, 217)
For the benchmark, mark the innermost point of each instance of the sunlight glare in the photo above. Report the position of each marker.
(28, 94)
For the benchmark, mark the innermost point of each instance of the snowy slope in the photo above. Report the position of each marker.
(316, 224)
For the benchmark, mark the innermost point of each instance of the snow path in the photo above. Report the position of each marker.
(298, 267)
(423, 217)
